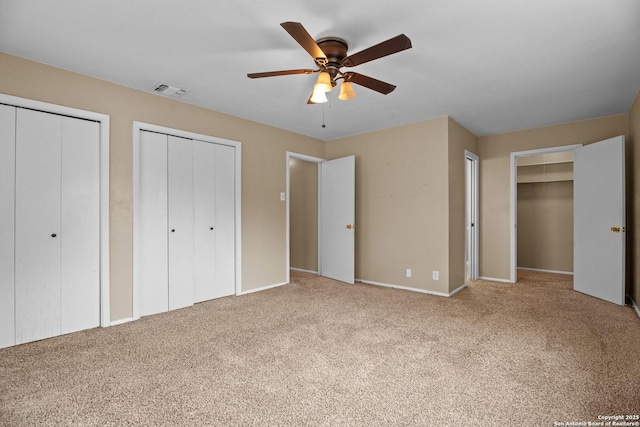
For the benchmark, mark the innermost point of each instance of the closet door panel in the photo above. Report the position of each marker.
(80, 227)
(151, 224)
(7, 238)
(204, 184)
(181, 226)
(225, 220)
(37, 245)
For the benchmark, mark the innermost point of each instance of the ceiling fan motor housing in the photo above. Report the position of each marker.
(335, 49)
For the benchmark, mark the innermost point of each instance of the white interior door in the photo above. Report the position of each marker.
(204, 202)
(181, 249)
(338, 219)
(80, 225)
(471, 215)
(152, 263)
(185, 220)
(37, 245)
(7, 221)
(225, 221)
(599, 220)
(50, 224)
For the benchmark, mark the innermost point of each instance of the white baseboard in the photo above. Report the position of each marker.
(251, 291)
(546, 271)
(635, 306)
(407, 288)
(455, 291)
(493, 279)
(121, 321)
(303, 270)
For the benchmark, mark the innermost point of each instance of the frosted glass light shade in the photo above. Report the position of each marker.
(346, 91)
(324, 82)
(319, 95)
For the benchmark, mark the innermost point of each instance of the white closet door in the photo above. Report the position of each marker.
(225, 220)
(181, 250)
(151, 224)
(204, 184)
(37, 245)
(80, 226)
(7, 193)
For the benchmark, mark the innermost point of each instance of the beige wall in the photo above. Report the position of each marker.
(409, 182)
(401, 203)
(494, 152)
(460, 139)
(545, 225)
(263, 164)
(303, 208)
(633, 220)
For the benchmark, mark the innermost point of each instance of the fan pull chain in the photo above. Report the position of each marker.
(323, 125)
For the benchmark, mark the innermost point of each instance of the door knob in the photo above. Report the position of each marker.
(54, 235)
(350, 226)
(615, 229)
(173, 230)
(211, 228)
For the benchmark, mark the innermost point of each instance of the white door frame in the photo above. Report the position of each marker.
(140, 126)
(513, 214)
(473, 193)
(291, 155)
(104, 120)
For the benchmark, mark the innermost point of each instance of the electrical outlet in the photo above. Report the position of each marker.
(436, 275)
(408, 272)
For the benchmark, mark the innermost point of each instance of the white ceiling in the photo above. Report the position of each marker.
(492, 65)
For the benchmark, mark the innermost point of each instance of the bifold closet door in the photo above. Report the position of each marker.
(204, 180)
(164, 226)
(80, 225)
(181, 222)
(225, 221)
(7, 222)
(185, 222)
(151, 226)
(214, 210)
(56, 225)
(37, 245)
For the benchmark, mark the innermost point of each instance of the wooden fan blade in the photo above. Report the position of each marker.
(370, 83)
(389, 47)
(304, 39)
(280, 73)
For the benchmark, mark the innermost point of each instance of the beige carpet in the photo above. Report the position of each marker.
(318, 352)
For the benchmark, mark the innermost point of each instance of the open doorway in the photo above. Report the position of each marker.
(303, 204)
(540, 181)
(545, 213)
(303, 225)
(335, 213)
(598, 217)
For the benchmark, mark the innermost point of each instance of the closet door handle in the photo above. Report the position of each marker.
(54, 235)
(173, 230)
(211, 228)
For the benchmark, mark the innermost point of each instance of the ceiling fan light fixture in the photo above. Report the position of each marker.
(346, 91)
(324, 82)
(318, 96)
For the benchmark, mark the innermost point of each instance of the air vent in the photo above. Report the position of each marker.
(167, 90)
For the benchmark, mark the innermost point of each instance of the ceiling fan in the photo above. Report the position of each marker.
(330, 55)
